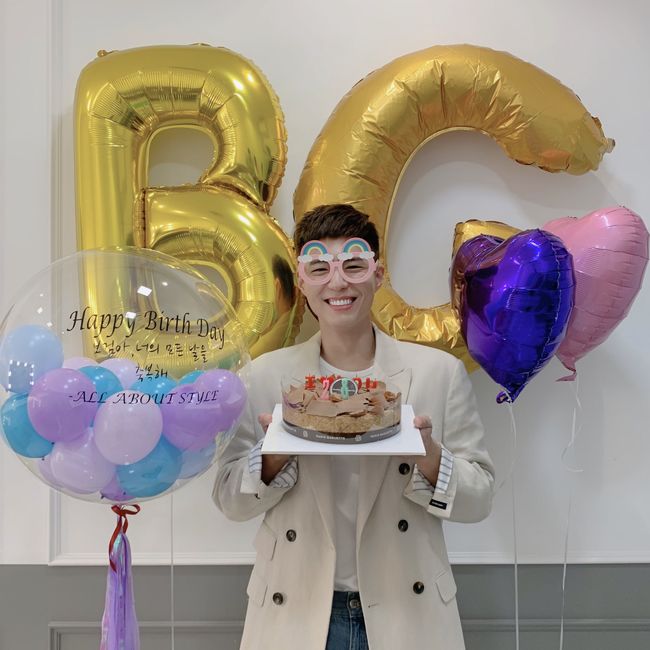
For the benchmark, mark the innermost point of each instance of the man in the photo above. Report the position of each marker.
(351, 553)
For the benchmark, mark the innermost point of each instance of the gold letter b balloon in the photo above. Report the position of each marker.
(123, 100)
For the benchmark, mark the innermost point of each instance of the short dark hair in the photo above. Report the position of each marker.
(283, 272)
(335, 220)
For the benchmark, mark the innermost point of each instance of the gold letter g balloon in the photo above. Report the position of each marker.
(372, 135)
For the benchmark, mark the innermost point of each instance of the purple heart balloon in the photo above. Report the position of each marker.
(514, 299)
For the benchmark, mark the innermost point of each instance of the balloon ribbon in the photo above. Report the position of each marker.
(119, 623)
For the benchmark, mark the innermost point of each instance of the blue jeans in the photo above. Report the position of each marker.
(347, 627)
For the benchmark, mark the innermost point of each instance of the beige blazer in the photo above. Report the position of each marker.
(291, 586)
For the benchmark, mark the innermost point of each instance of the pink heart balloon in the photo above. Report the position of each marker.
(610, 254)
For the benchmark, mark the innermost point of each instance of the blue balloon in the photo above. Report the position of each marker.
(190, 377)
(152, 475)
(106, 382)
(18, 430)
(27, 353)
(154, 386)
(194, 462)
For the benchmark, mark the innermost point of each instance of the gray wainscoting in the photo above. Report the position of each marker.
(59, 608)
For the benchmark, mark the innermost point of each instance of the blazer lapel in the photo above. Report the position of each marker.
(388, 365)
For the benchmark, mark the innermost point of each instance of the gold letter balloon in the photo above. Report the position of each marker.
(222, 223)
(376, 129)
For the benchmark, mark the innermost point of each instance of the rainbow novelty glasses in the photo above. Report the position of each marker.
(356, 261)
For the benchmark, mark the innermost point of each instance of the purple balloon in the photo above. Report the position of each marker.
(128, 427)
(79, 467)
(229, 391)
(75, 363)
(60, 404)
(125, 369)
(192, 418)
(115, 492)
(44, 469)
(514, 301)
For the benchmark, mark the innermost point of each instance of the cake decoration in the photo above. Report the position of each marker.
(340, 410)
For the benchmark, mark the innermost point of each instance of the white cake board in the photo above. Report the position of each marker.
(408, 442)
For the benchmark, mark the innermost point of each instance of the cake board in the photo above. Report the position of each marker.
(408, 442)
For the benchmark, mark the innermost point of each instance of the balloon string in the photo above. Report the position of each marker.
(121, 527)
(513, 425)
(575, 430)
(171, 581)
(566, 549)
(513, 428)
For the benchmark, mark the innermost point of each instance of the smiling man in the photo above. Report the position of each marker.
(351, 552)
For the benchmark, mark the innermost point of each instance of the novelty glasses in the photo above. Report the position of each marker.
(356, 261)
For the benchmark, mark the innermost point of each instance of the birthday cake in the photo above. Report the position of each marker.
(340, 410)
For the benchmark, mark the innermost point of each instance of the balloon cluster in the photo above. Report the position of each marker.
(560, 290)
(101, 428)
(117, 430)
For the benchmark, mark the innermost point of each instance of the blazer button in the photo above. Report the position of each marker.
(291, 535)
(418, 588)
(278, 598)
(404, 468)
(403, 525)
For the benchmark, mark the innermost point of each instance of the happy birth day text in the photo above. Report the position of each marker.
(150, 320)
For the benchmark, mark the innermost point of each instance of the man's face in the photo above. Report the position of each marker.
(340, 303)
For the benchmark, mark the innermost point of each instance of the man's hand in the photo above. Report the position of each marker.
(428, 465)
(271, 463)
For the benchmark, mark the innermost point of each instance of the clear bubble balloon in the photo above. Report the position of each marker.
(123, 375)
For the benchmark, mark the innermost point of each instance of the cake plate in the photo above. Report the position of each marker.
(407, 442)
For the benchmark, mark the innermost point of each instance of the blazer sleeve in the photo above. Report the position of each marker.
(238, 491)
(467, 496)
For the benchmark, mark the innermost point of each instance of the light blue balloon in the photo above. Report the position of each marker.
(194, 462)
(106, 382)
(27, 353)
(154, 386)
(18, 430)
(190, 377)
(152, 475)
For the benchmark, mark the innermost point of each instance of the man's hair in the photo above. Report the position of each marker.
(282, 271)
(335, 220)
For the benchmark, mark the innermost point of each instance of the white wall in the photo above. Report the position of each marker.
(313, 53)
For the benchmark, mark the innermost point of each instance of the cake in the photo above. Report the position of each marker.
(340, 410)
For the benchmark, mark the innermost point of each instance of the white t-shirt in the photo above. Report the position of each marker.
(345, 492)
